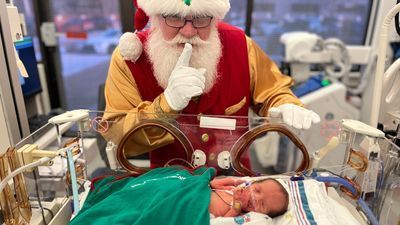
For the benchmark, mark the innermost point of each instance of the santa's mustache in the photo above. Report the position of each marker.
(180, 39)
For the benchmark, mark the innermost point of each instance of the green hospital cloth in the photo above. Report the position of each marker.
(163, 196)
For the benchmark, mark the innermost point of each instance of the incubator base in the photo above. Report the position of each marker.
(63, 215)
(54, 206)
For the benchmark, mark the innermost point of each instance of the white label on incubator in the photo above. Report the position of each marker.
(217, 123)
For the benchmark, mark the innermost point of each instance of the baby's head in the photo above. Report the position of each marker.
(266, 196)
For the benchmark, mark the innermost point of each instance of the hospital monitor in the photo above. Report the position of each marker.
(346, 20)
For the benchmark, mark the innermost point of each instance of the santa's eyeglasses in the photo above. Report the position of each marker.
(179, 22)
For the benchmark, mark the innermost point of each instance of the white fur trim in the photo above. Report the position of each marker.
(216, 8)
(130, 46)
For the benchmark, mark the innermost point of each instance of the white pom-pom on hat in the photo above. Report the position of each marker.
(130, 46)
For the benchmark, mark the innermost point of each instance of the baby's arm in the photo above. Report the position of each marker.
(226, 183)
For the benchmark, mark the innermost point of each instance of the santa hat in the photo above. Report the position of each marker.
(215, 8)
(131, 47)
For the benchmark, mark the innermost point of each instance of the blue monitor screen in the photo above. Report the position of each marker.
(30, 85)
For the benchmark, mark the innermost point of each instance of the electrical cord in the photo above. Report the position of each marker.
(51, 212)
(34, 164)
(38, 197)
(366, 76)
(48, 210)
(21, 169)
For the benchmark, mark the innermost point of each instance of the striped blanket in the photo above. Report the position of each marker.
(309, 204)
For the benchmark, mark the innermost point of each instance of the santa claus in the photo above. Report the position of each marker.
(189, 62)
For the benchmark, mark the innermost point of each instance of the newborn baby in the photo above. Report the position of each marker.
(232, 197)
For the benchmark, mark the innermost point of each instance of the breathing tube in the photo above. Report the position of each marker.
(368, 212)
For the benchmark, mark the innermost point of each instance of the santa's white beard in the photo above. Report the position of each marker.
(164, 55)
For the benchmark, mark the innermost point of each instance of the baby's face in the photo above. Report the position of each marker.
(263, 197)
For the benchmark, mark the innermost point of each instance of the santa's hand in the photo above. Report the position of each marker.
(185, 82)
(295, 116)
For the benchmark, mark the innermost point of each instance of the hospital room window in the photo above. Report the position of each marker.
(100, 22)
(237, 14)
(343, 19)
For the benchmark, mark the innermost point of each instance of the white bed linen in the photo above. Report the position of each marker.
(251, 218)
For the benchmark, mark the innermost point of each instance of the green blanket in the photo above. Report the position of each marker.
(164, 196)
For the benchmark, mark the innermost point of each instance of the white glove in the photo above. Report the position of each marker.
(185, 82)
(295, 116)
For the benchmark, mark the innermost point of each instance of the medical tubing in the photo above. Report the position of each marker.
(321, 153)
(38, 198)
(377, 89)
(390, 73)
(22, 169)
(338, 180)
(80, 135)
(365, 78)
(368, 212)
(360, 201)
(75, 194)
(111, 155)
(345, 66)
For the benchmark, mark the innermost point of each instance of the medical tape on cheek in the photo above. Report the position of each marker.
(237, 205)
(252, 199)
